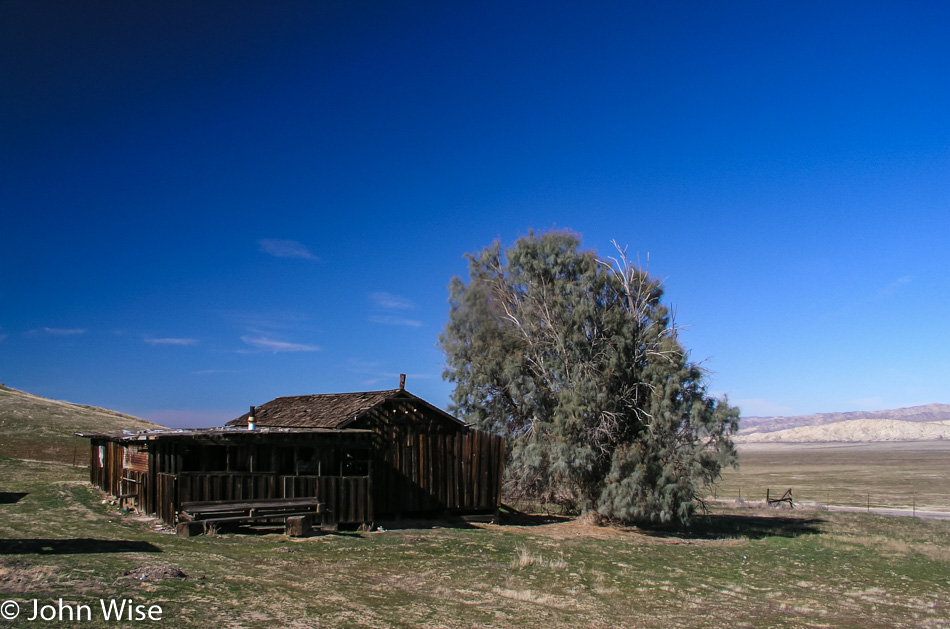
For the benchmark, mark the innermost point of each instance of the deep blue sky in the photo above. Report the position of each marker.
(206, 205)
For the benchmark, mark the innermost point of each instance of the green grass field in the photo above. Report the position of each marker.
(738, 568)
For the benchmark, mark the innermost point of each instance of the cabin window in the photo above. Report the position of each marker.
(355, 464)
(307, 462)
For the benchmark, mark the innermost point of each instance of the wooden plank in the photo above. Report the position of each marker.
(457, 470)
(369, 515)
(217, 505)
(349, 494)
(500, 466)
(412, 502)
(324, 494)
(472, 470)
(423, 464)
(450, 470)
(443, 472)
(340, 493)
(476, 468)
(464, 448)
(431, 486)
(251, 518)
(484, 471)
(184, 491)
(414, 454)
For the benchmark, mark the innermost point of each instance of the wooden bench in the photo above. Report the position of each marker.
(296, 513)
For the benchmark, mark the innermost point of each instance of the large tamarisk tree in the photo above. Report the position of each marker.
(576, 361)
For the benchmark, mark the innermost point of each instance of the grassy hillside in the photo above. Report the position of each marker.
(33, 427)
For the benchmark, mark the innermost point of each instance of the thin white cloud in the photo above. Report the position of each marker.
(263, 324)
(273, 345)
(286, 249)
(171, 341)
(391, 302)
(894, 286)
(64, 331)
(391, 320)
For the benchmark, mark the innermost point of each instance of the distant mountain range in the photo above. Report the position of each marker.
(916, 423)
(34, 427)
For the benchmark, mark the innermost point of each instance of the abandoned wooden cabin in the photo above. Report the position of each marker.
(364, 456)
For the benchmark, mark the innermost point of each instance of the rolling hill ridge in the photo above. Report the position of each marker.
(34, 427)
(916, 423)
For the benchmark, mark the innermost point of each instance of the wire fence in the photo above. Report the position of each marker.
(867, 501)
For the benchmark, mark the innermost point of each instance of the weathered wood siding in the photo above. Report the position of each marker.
(424, 465)
(121, 470)
(435, 471)
(415, 461)
(166, 496)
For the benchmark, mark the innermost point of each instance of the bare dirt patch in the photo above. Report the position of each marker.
(18, 576)
(155, 574)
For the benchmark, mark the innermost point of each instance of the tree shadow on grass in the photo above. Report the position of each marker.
(512, 516)
(740, 527)
(78, 546)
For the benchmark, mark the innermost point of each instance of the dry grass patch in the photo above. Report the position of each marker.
(538, 598)
(526, 558)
